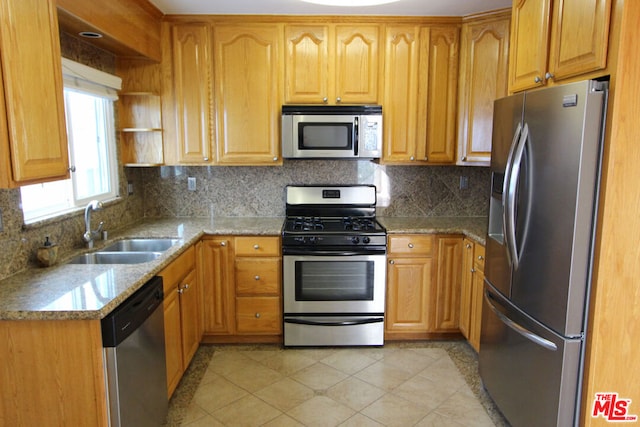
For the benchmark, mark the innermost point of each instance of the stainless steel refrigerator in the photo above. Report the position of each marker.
(545, 173)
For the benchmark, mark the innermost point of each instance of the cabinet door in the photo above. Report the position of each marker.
(529, 43)
(400, 99)
(408, 294)
(190, 95)
(216, 269)
(357, 64)
(439, 122)
(172, 340)
(466, 287)
(483, 79)
(307, 64)
(446, 299)
(247, 94)
(579, 37)
(189, 317)
(477, 293)
(33, 93)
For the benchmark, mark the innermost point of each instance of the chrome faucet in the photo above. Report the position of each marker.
(89, 234)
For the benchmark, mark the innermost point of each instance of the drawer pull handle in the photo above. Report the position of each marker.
(257, 277)
(410, 245)
(257, 315)
(256, 247)
(223, 243)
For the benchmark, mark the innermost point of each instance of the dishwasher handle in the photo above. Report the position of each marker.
(131, 313)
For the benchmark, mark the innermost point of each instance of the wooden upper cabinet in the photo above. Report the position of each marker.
(332, 64)
(400, 97)
(555, 40)
(34, 138)
(483, 79)
(441, 79)
(247, 81)
(188, 91)
(420, 92)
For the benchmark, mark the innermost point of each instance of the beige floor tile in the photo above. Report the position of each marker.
(410, 361)
(260, 355)
(355, 393)
(437, 420)
(248, 411)
(319, 376)
(283, 421)
(321, 411)
(348, 361)
(383, 375)
(359, 420)
(314, 352)
(465, 410)
(217, 393)
(253, 376)
(422, 391)
(194, 413)
(207, 421)
(392, 410)
(288, 363)
(444, 373)
(226, 362)
(285, 394)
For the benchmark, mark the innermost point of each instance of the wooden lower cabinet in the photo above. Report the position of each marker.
(182, 319)
(472, 292)
(423, 286)
(241, 279)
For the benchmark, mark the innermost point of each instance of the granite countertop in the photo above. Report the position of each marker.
(80, 291)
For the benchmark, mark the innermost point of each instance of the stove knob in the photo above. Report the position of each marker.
(312, 240)
(366, 240)
(355, 240)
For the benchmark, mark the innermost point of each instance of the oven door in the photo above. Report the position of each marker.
(334, 283)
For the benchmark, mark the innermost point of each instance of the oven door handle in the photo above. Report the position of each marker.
(307, 252)
(334, 323)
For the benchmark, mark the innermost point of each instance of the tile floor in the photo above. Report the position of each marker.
(410, 384)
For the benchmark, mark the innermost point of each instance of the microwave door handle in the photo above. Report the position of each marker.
(356, 143)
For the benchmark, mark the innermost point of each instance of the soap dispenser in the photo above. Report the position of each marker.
(48, 253)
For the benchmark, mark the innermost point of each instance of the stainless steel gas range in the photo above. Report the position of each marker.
(334, 267)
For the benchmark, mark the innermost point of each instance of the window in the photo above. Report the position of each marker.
(91, 136)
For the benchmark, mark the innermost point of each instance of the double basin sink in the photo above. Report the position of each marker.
(127, 251)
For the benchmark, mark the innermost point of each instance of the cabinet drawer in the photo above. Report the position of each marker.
(258, 276)
(478, 261)
(259, 315)
(178, 269)
(257, 246)
(410, 244)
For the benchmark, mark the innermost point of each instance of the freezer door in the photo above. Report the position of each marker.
(551, 204)
(531, 373)
(507, 129)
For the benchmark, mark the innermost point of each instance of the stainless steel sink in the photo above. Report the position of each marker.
(141, 245)
(103, 257)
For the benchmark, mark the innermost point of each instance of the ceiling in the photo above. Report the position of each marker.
(297, 7)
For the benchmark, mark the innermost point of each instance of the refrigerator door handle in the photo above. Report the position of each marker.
(516, 326)
(511, 183)
(505, 186)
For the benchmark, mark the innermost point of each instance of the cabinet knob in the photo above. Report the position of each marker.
(548, 76)
(426, 158)
(338, 100)
(412, 158)
(537, 79)
(480, 257)
(473, 270)
(180, 290)
(223, 243)
(257, 277)
(186, 286)
(391, 261)
(325, 99)
(275, 159)
(410, 245)
(468, 246)
(256, 247)
(257, 315)
(464, 159)
(206, 159)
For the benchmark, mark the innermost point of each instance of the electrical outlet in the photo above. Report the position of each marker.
(129, 188)
(191, 183)
(464, 182)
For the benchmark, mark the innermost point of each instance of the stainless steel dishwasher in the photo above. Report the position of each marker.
(134, 352)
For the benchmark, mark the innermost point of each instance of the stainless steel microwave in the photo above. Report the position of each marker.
(331, 132)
